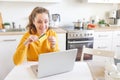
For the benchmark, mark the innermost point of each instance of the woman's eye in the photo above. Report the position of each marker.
(46, 21)
(39, 21)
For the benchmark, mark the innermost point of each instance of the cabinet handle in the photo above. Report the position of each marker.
(118, 34)
(7, 40)
(103, 36)
(79, 42)
(117, 45)
(102, 47)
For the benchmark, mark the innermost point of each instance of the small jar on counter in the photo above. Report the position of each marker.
(7, 25)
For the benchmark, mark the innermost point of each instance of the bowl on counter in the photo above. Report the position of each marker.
(2, 30)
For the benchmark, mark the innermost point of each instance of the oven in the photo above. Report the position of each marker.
(78, 38)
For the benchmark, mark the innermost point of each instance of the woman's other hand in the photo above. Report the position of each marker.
(52, 41)
(30, 39)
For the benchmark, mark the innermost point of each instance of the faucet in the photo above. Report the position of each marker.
(13, 24)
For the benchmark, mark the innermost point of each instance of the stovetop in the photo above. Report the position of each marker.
(75, 33)
(72, 28)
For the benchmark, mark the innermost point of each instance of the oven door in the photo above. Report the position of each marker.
(79, 45)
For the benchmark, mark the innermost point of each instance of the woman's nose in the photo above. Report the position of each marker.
(42, 24)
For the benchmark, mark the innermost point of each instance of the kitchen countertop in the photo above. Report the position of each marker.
(107, 28)
(60, 30)
(57, 30)
(99, 29)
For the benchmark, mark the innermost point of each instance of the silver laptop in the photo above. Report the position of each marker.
(55, 63)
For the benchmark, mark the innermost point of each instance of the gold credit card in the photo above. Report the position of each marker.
(42, 37)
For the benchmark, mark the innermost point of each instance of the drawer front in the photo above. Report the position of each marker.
(103, 44)
(103, 35)
(10, 38)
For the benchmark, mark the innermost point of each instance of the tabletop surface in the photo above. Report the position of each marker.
(97, 69)
(80, 71)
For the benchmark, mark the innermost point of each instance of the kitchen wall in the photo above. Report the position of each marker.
(70, 10)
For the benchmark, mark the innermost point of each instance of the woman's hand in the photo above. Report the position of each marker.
(30, 39)
(52, 41)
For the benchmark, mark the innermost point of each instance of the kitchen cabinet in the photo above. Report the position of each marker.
(8, 44)
(62, 41)
(108, 40)
(116, 43)
(46, 1)
(104, 1)
(103, 40)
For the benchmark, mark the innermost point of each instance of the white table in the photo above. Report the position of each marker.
(23, 72)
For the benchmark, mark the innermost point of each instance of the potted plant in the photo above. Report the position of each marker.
(102, 23)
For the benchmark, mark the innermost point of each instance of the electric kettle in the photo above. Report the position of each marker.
(55, 20)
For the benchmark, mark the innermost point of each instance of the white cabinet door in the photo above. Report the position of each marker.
(103, 44)
(116, 43)
(62, 41)
(8, 44)
(103, 40)
(109, 40)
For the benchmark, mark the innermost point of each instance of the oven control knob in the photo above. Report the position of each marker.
(88, 34)
(76, 35)
(81, 35)
(91, 34)
(69, 35)
(73, 35)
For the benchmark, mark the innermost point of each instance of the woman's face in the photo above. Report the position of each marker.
(41, 23)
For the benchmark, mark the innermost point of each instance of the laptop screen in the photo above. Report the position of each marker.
(56, 62)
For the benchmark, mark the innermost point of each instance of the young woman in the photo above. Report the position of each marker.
(38, 40)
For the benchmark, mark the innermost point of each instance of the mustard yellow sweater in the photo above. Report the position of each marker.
(34, 49)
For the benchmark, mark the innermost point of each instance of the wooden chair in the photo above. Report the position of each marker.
(96, 52)
(97, 67)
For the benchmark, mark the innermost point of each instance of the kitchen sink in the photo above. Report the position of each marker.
(12, 30)
(2, 30)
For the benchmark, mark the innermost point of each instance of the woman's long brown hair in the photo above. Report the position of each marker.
(37, 10)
